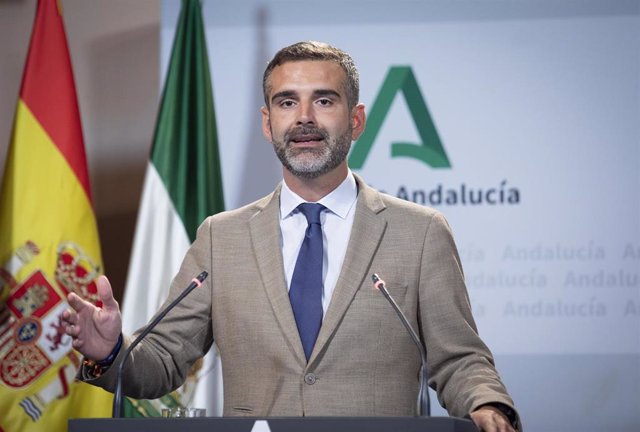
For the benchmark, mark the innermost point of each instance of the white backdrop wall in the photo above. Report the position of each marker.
(537, 100)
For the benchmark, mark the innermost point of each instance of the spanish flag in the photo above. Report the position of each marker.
(48, 242)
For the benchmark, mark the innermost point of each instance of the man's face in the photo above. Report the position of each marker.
(308, 120)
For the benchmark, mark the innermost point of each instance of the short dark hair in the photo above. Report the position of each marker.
(312, 50)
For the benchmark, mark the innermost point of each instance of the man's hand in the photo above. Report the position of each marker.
(491, 419)
(94, 330)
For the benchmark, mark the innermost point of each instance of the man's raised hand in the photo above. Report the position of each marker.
(94, 330)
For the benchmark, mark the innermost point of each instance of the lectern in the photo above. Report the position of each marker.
(275, 424)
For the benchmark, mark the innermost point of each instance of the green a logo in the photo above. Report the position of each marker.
(430, 151)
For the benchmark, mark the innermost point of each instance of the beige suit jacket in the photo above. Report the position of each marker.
(364, 362)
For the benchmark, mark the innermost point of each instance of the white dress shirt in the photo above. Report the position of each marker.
(336, 221)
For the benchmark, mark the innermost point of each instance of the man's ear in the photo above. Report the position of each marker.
(358, 121)
(266, 123)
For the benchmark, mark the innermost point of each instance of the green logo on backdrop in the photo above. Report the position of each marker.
(430, 151)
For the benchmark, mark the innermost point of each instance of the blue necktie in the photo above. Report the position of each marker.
(306, 284)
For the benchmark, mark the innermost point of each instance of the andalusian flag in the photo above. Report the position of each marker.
(182, 187)
(48, 243)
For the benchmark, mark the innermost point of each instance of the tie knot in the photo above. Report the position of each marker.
(312, 212)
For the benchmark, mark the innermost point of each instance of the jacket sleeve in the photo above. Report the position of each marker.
(461, 367)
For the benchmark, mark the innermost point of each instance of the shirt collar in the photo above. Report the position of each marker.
(339, 201)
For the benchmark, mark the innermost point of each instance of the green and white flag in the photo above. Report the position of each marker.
(182, 187)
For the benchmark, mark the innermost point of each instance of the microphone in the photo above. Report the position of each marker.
(423, 402)
(118, 400)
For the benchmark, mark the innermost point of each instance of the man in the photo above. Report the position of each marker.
(289, 300)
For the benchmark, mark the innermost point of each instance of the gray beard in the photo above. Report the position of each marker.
(314, 162)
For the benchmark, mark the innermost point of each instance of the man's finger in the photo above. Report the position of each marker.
(70, 316)
(105, 293)
(76, 302)
(73, 330)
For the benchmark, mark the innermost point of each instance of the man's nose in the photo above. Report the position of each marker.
(306, 115)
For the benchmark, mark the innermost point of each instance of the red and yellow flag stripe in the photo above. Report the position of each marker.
(48, 242)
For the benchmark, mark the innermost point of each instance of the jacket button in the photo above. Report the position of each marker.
(310, 378)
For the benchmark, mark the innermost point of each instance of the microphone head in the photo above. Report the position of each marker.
(202, 276)
(377, 282)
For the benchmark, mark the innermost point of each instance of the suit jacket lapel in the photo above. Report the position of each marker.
(265, 237)
(366, 234)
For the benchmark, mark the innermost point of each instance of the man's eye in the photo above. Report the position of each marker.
(325, 102)
(287, 103)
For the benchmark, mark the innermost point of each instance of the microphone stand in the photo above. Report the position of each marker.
(118, 399)
(423, 402)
